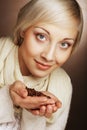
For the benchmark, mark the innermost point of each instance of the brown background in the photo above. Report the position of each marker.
(75, 67)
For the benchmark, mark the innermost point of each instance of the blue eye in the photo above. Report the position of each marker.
(64, 45)
(41, 37)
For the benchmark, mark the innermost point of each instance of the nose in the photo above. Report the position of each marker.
(49, 53)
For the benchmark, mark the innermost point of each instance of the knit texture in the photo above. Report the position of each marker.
(58, 82)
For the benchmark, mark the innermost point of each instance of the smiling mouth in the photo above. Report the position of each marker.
(42, 66)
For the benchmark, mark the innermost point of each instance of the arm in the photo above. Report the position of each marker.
(61, 121)
(63, 91)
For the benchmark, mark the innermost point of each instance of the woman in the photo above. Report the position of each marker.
(45, 35)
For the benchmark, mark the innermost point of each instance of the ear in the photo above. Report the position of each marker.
(22, 34)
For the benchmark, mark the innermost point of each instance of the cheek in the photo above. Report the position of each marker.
(62, 58)
(29, 47)
(32, 48)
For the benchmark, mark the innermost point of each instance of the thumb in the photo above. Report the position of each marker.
(19, 88)
(23, 92)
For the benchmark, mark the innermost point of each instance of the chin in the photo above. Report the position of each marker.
(40, 74)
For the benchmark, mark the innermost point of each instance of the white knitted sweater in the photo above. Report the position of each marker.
(58, 83)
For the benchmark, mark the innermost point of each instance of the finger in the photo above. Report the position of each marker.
(22, 92)
(16, 98)
(49, 94)
(34, 102)
(50, 101)
(42, 110)
(58, 104)
(19, 88)
(52, 96)
(39, 101)
(49, 111)
(34, 112)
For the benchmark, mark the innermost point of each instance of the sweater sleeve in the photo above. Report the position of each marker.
(62, 88)
(6, 106)
(61, 121)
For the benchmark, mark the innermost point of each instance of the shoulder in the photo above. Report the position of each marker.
(60, 76)
(6, 44)
(60, 72)
(4, 40)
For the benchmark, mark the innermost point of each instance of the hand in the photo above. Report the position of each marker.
(19, 97)
(47, 110)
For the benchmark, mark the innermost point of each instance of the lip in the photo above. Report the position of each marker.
(42, 66)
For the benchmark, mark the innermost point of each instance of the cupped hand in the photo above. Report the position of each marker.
(49, 109)
(20, 97)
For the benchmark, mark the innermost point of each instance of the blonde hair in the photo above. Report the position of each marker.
(50, 11)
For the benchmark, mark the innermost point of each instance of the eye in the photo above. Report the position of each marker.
(41, 37)
(64, 45)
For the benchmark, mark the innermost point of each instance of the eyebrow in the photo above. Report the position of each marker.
(43, 29)
(69, 39)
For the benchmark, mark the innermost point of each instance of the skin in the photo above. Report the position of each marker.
(45, 106)
(45, 48)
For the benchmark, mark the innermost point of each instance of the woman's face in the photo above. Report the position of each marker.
(46, 47)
